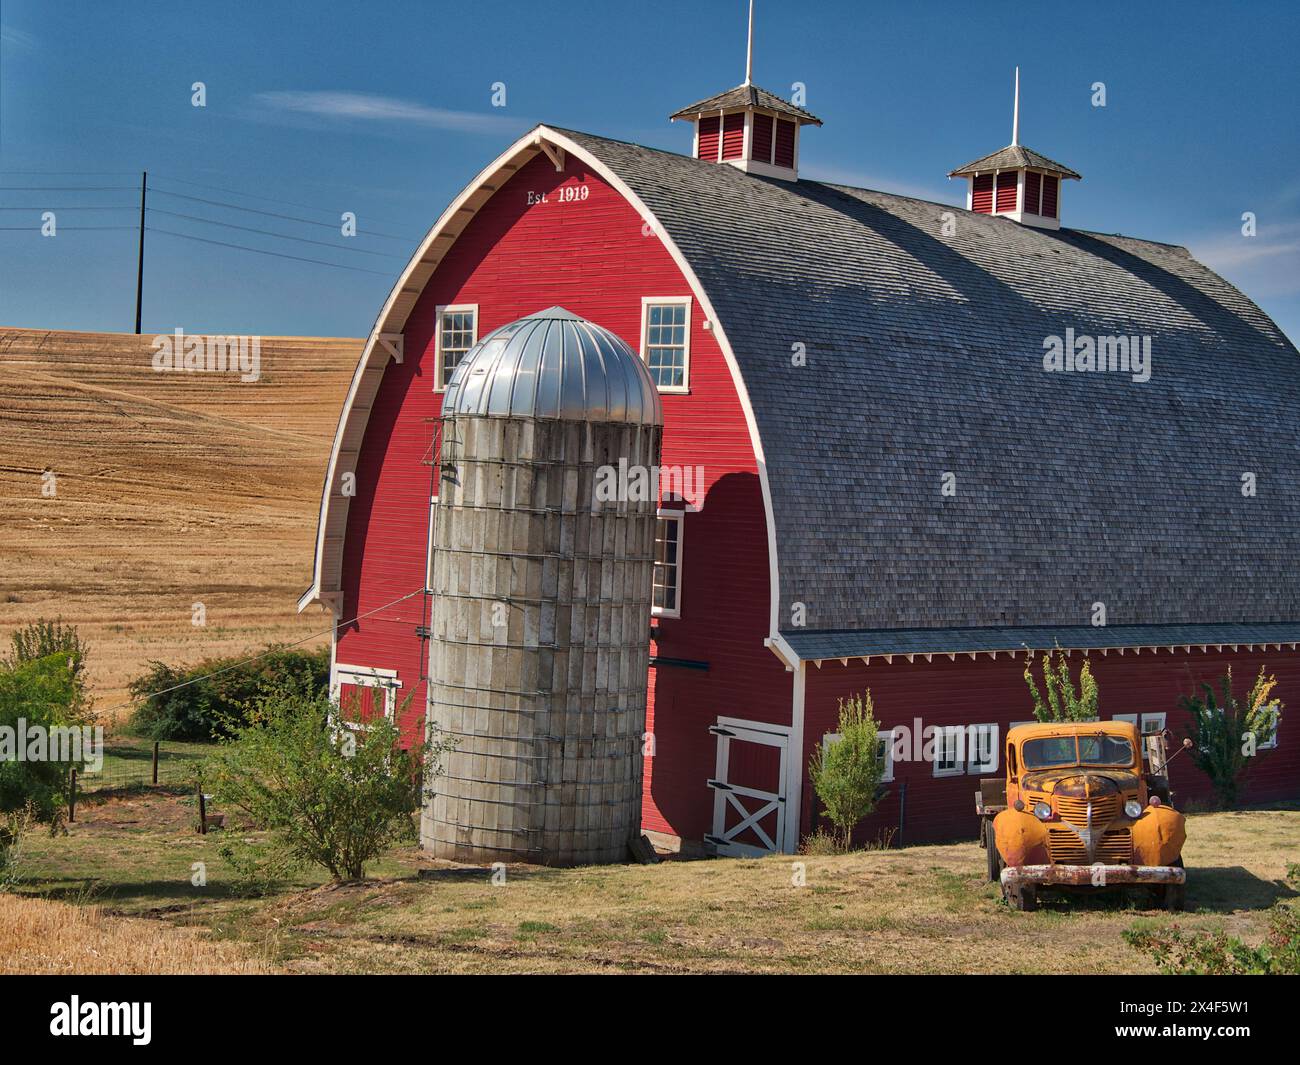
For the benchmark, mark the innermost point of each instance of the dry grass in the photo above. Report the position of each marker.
(41, 937)
(173, 488)
(913, 910)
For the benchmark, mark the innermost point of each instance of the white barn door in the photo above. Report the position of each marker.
(749, 807)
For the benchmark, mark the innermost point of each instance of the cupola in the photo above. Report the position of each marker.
(1017, 182)
(750, 128)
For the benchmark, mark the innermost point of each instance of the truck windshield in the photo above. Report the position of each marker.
(1100, 749)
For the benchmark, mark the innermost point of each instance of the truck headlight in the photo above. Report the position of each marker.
(1043, 811)
(1133, 809)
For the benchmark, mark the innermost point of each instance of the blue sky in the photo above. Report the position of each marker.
(383, 108)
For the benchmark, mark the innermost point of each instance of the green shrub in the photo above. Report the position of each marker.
(1064, 702)
(1218, 954)
(190, 708)
(328, 795)
(43, 638)
(41, 692)
(846, 773)
(1225, 732)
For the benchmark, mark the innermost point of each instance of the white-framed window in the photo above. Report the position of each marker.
(884, 751)
(1271, 743)
(455, 333)
(982, 749)
(364, 691)
(666, 341)
(667, 596)
(950, 751)
(1150, 724)
(1132, 719)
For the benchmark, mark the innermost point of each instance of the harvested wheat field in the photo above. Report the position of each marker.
(38, 937)
(170, 489)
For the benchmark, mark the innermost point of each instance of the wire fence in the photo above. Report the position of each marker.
(142, 765)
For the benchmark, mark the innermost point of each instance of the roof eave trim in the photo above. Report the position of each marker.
(386, 323)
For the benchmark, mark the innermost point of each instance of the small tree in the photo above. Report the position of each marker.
(846, 773)
(43, 638)
(1226, 732)
(38, 693)
(1064, 701)
(330, 795)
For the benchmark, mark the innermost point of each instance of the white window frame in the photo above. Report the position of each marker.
(958, 768)
(1158, 718)
(366, 677)
(1271, 743)
(684, 301)
(449, 308)
(886, 737)
(679, 516)
(991, 765)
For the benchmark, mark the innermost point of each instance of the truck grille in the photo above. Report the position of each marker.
(1105, 808)
(1065, 848)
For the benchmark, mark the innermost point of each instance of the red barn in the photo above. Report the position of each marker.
(904, 443)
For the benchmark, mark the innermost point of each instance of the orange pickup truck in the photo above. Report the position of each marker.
(1078, 811)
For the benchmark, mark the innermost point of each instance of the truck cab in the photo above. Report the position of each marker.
(1078, 810)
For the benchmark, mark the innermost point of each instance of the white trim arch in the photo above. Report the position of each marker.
(385, 342)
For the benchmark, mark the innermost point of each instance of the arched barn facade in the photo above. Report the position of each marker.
(872, 478)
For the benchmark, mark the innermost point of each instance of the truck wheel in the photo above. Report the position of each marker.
(991, 855)
(1174, 896)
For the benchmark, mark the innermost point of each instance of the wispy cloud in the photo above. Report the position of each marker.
(1267, 263)
(363, 107)
(17, 39)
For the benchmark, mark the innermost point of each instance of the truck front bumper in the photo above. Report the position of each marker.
(1099, 875)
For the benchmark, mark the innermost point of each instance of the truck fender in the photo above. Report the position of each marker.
(1021, 838)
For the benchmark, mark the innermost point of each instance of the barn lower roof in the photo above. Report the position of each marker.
(811, 646)
(924, 328)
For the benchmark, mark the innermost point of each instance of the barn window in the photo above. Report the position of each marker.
(733, 136)
(667, 601)
(981, 194)
(666, 340)
(884, 751)
(455, 335)
(785, 134)
(363, 693)
(982, 744)
(949, 751)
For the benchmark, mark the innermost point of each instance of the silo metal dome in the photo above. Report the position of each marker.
(554, 364)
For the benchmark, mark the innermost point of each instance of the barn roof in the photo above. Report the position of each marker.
(925, 358)
(1012, 157)
(747, 96)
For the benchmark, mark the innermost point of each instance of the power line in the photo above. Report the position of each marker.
(67, 188)
(267, 199)
(59, 207)
(274, 214)
(272, 233)
(265, 654)
(65, 229)
(263, 251)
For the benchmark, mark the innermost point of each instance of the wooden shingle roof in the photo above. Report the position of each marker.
(747, 96)
(1012, 157)
(924, 327)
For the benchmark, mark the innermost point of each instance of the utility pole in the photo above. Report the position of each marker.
(139, 269)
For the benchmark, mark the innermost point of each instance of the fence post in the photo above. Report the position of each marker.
(203, 812)
(155, 763)
(72, 796)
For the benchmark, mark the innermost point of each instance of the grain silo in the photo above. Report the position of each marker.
(542, 583)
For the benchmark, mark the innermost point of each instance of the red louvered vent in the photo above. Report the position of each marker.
(733, 136)
(761, 149)
(1050, 188)
(709, 139)
(785, 144)
(1006, 192)
(981, 199)
(1033, 193)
